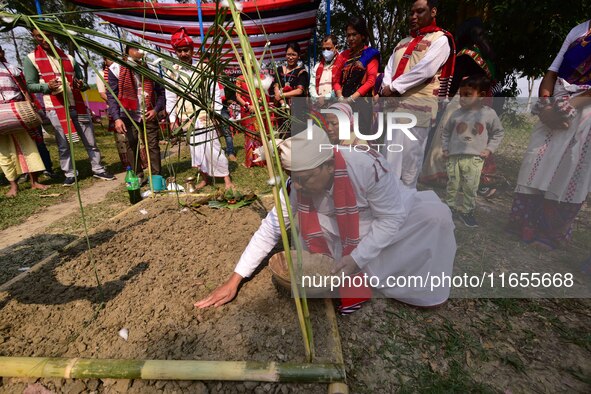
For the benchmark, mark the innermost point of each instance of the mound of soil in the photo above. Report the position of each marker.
(152, 267)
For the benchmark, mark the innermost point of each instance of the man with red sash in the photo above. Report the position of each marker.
(321, 76)
(142, 99)
(204, 143)
(419, 72)
(351, 207)
(43, 73)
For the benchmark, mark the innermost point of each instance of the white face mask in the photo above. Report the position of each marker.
(328, 55)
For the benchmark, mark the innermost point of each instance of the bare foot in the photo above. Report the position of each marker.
(39, 186)
(13, 189)
(201, 185)
(229, 184)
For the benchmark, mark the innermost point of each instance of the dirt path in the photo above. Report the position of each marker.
(38, 222)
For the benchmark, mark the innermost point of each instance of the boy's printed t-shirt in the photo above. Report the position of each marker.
(470, 131)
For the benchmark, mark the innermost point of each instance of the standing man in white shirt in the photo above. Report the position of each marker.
(43, 72)
(418, 72)
(321, 77)
(205, 147)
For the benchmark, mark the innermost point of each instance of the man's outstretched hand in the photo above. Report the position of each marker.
(223, 294)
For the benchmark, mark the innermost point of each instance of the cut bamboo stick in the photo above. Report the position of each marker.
(77, 368)
(338, 388)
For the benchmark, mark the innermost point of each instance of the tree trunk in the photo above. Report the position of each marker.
(530, 89)
(18, 56)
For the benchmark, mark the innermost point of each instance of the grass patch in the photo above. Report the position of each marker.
(246, 179)
(456, 380)
(16, 210)
(28, 202)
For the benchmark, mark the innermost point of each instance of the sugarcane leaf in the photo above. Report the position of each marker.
(217, 204)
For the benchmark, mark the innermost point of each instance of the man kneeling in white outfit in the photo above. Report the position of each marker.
(351, 206)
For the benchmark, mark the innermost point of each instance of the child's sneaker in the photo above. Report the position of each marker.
(486, 191)
(468, 219)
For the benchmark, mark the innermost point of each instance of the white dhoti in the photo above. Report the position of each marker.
(423, 247)
(207, 154)
(205, 147)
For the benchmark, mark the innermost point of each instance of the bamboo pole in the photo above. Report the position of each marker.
(251, 71)
(78, 368)
(336, 387)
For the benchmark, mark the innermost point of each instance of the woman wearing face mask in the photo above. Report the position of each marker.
(321, 76)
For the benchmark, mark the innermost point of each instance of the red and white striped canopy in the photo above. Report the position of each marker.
(271, 23)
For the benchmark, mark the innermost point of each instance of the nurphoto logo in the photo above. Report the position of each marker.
(394, 122)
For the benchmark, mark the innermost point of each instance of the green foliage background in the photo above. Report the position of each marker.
(526, 35)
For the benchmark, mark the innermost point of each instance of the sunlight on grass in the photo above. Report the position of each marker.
(28, 202)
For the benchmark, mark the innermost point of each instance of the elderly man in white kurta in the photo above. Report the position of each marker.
(400, 232)
(418, 72)
(205, 147)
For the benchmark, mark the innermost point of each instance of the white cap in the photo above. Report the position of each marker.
(300, 153)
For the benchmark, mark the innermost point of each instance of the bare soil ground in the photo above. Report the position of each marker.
(23, 245)
(152, 267)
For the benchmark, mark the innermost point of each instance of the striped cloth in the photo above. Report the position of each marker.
(347, 214)
(48, 73)
(9, 90)
(346, 209)
(128, 91)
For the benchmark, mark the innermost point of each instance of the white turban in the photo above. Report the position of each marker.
(346, 109)
(300, 153)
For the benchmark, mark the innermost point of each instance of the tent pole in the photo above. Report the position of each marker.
(38, 5)
(201, 25)
(315, 46)
(119, 37)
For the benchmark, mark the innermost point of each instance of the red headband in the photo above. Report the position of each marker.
(181, 39)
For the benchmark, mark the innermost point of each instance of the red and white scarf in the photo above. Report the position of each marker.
(47, 72)
(128, 91)
(447, 70)
(347, 214)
